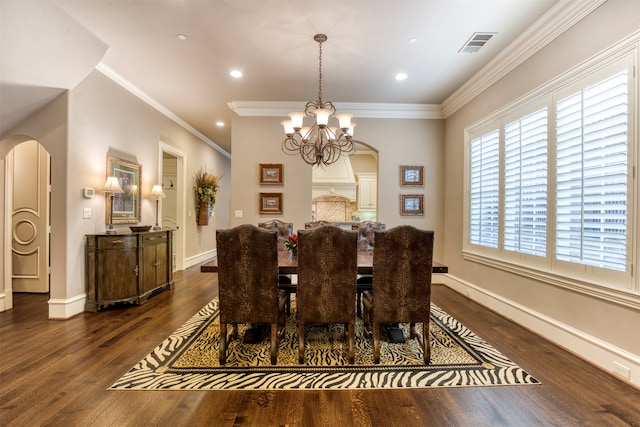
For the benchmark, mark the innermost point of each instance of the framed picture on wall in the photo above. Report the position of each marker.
(411, 176)
(411, 204)
(271, 174)
(270, 203)
(126, 205)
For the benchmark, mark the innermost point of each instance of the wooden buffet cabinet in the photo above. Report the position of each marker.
(127, 267)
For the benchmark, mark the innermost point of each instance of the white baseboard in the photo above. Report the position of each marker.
(5, 303)
(60, 309)
(200, 258)
(595, 351)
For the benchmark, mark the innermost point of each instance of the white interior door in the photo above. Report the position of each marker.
(30, 168)
(174, 204)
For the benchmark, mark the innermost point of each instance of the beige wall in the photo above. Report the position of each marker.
(79, 129)
(258, 140)
(602, 320)
(105, 118)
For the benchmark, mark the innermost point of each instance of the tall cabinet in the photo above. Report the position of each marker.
(367, 191)
(127, 268)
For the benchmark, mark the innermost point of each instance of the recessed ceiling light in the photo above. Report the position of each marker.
(219, 124)
(182, 36)
(413, 40)
(401, 76)
(236, 74)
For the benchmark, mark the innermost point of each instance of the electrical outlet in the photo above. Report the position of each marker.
(86, 213)
(238, 214)
(621, 370)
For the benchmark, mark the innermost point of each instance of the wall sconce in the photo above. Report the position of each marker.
(111, 187)
(157, 192)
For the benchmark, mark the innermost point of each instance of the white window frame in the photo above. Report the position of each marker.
(615, 286)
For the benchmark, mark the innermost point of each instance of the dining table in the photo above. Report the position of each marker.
(288, 265)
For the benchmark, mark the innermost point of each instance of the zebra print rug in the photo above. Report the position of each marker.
(188, 360)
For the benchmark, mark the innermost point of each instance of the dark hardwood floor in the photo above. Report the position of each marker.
(56, 373)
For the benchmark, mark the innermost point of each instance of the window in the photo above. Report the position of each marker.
(485, 190)
(525, 184)
(591, 175)
(550, 182)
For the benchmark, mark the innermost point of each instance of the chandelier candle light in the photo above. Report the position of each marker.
(319, 144)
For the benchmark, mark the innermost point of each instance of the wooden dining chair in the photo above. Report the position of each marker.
(284, 230)
(366, 239)
(327, 264)
(401, 290)
(314, 224)
(248, 284)
(366, 233)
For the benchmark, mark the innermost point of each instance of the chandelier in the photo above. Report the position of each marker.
(319, 144)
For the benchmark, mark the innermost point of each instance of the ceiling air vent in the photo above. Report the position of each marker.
(476, 41)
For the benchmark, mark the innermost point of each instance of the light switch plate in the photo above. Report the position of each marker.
(238, 214)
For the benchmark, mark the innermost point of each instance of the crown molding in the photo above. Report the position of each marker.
(155, 104)
(552, 24)
(359, 110)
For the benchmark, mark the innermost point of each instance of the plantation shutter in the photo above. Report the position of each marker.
(525, 184)
(484, 200)
(591, 174)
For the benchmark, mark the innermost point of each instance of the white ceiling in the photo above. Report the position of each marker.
(271, 41)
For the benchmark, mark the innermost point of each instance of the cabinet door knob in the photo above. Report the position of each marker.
(136, 270)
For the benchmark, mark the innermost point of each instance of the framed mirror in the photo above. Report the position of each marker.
(126, 205)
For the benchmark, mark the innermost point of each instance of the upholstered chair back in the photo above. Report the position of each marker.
(284, 230)
(402, 261)
(366, 233)
(247, 275)
(314, 224)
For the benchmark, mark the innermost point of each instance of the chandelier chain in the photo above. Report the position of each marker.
(320, 75)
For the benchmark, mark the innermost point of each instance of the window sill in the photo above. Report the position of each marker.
(622, 297)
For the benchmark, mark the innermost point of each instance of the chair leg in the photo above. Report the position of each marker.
(376, 342)
(427, 342)
(301, 343)
(274, 343)
(223, 344)
(350, 342)
(288, 304)
(366, 320)
(415, 333)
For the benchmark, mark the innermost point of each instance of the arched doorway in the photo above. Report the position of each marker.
(347, 191)
(26, 183)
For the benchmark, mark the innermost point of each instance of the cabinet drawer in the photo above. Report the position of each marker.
(116, 242)
(153, 239)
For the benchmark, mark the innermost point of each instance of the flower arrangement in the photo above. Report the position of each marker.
(205, 188)
(292, 243)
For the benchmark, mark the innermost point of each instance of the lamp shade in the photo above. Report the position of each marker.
(345, 120)
(322, 116)
(296, 120)
(112, 185)
(157, 192)
(288, 127)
